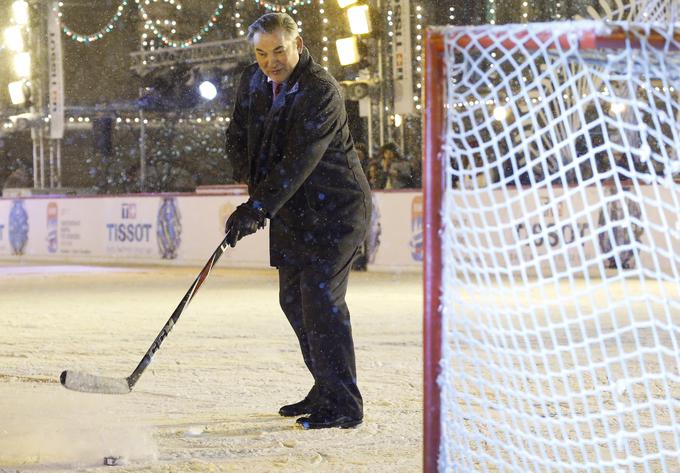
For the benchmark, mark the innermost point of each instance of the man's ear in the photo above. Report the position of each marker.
(298, 44)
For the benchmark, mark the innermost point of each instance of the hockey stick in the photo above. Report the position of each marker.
(90, 383)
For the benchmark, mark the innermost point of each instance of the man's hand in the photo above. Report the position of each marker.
(246, 219)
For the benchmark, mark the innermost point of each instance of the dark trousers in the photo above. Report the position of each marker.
(313, 299)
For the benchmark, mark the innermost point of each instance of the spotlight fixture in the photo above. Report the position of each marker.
(359, 19)
(19, 92)
(348, 50)
(208, 90)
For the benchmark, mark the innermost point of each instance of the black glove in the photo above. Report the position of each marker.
(246, 219)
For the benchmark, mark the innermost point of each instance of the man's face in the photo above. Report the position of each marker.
(277, 54)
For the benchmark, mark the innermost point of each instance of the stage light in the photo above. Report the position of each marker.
(348, 50)
(14, 40)
(22, 65)
(208, 90)
(20, 12)
(346, 3)
(19, 92)
(359, 19)
(355, 89)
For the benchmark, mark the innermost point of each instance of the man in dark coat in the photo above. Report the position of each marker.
(289, 141)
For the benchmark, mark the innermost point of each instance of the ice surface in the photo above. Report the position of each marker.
(45, 427)
(209, 401)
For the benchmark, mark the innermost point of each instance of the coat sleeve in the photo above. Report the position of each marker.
(236, 144)
(316, 125)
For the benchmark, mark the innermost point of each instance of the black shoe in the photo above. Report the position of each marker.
(291, 410)
(327, 419)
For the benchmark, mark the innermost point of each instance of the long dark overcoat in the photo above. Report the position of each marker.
(298, 159)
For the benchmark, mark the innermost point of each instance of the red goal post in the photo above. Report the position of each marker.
(594, 37)
(433, 184)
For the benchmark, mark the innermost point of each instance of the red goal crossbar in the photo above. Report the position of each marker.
(615, 38)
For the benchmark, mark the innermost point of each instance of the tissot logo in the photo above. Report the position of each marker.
(129, 211)
(129, 232)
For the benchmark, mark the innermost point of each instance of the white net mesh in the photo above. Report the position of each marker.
(648, 11)
(561, 243)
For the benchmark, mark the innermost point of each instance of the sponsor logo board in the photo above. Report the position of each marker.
(132, 233)
(18, 227)
(73, 223)
(52, 227)
(168, 228)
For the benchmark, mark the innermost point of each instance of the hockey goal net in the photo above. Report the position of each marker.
(552, 235)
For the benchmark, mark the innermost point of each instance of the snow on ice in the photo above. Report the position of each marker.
(209, 401)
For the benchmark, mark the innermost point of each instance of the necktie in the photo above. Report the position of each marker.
(277, 89)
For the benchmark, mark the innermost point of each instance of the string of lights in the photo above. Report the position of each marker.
(491, 12)
(199, 120)
(155, 26)
(84, 119)
(195, 38)
(275, 7)
(294, 13)
(236, 18)
(90, 38)
(149, 24)
(418, 76)
(324, 34)
(390, 34)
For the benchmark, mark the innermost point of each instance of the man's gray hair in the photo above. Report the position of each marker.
(270, 22)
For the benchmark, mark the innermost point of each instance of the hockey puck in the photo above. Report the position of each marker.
(113, 461)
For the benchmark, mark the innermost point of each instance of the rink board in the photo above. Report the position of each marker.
(178, 229)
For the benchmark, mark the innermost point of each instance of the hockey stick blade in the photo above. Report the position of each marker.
(89, 383)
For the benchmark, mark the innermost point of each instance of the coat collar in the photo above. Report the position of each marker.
(302, 65)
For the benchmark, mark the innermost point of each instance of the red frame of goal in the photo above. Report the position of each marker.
(433, 189)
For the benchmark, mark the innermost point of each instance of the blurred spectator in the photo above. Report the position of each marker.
(375, 174)
(20, 177)
(417, 173)
(397, 172)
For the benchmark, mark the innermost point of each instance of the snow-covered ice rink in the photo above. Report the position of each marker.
(209, 401)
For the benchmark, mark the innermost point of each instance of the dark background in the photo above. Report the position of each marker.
(102, 154)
